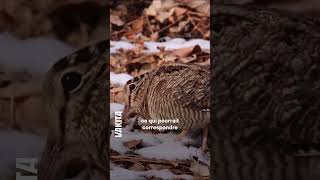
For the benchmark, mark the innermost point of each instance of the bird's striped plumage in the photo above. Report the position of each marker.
(177, 91)
(266, 95)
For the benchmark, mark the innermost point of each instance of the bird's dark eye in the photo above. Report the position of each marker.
(71, 80)
(131, 87)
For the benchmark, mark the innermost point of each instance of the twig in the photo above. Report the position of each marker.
(170, 25)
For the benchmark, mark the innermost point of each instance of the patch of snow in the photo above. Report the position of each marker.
(35, 55)
(120, 78)
(173, 151)
(14, 145)
(115, 107)
(116, 143)
(176, 44)
(123, 174)
(116, 45)
(204, 44)
(177, 40)
(152, 47)
(158, 146)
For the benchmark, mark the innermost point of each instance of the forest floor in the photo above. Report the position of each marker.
(144, 36)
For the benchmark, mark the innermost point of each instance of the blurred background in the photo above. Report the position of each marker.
(36, 33)
(307, 7)
(33, 35)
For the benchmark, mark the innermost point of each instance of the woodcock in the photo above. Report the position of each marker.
(75, 95)
(175, 91)
(266, 96)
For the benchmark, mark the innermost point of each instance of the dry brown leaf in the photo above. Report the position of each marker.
(170, 58)
(152, 10)
(180, 11)
(185, 52)
(207, 35)
(163, 16)
(137, 26)
(159, 166)
(170, 18)
(202, 6)
(116, 20)
(188, 59)
(154, 36)
(180, 26)
(158, 6)
(121, 10)
(117, 95)
(138, 167)
(161, 9)
(116, 89)
(132, 143)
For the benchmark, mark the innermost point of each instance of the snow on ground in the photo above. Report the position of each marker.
(115, 107)
(120, 45)
(120, 173)
(120, 78)
(35, 55)
(152, 47)
(173, 151)
(117, 143)
(14, 145)
(159, 146)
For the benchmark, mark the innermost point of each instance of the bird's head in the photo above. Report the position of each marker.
(75, 95)
(134, 91)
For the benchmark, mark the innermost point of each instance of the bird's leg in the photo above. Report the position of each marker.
(182, 134)
(204, 146)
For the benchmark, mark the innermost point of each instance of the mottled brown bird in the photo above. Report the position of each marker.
(75, 95)
(266, 94)
(175, 91)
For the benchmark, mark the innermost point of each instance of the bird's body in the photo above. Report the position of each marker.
(176, 91)
(266, 94)
(75, 95)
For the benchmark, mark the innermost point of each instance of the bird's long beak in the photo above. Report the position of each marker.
(127, 113)
(49, 163)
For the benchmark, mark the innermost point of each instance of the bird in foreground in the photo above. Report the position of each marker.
(75, 97)
(173, 91)
(266, 94)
